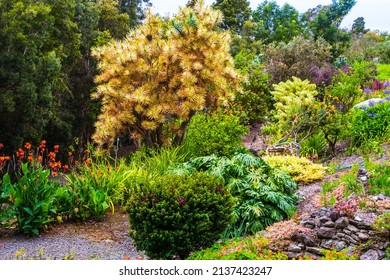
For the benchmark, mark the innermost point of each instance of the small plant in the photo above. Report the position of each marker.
(347, 208)
(338, 255)
(382, 224)
(249, 248)
(313, 145)
(174, 215)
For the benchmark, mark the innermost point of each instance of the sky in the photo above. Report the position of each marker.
(376, 13)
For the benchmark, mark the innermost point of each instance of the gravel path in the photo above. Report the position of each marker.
(105, 240)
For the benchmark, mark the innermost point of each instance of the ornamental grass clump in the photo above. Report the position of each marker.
(174, 215)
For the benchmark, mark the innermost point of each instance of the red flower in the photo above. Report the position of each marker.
(70, 154)
(56, 148)
(30, 157)
(1, 145)
(27, 146)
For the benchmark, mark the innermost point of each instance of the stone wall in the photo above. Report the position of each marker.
(330, 231)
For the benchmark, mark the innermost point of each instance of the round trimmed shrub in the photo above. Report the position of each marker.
(175, 215)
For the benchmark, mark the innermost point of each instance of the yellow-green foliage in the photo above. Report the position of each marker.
(290, 96)
(300, 169)
(163, 71)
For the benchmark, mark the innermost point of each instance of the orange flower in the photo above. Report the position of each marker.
(55, 174)
(20, 153)
(70, 154)
(52, 156)
(40, 159)
(30, 157)
(56, 148)
(27, 146)
(10, 199)
(42, 146)
(86, 151)
(88, 161)
(66, 166)
(126, 258)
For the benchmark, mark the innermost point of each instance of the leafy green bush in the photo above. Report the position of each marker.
(84, 197)
(383, 72)
(382, 224)
(174, 215)
(264, 195)
(372, 123)
(32, 198)
(214, 134)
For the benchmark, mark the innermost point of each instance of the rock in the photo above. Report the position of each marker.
(362, 236)
(357, 218)
(303, 238)
(334, 215)
(341, 222)
(363, 178)
(370, 255)
(325, 232)
(333, 244)
(329, 224)
(381, 197)
(294, 248)
(346, 231)
(315, 251)
(293, 255)
(324, 219)
(375, 198)
(347, 238)
(352, 228)
(354, 236)
(308, 224)
(340, 245)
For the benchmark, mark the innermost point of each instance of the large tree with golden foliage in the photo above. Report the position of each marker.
(152, 82)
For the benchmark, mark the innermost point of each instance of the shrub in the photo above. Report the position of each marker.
(383, 72)
(372, 123)
(174, 215)
(264, 195)
(290, 96)
(302, 170)
(32, 198)
(214, 134)
(297, 58)
(382, 224)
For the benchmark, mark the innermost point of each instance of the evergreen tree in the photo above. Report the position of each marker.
(154, 81)
(235, 13)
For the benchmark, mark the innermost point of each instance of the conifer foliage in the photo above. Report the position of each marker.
(152, 82)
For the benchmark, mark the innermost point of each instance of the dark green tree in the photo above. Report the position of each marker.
(358, 27)
(275, 23)
(235, 12)
(324, 21)
(135, 9)
(30, 65)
